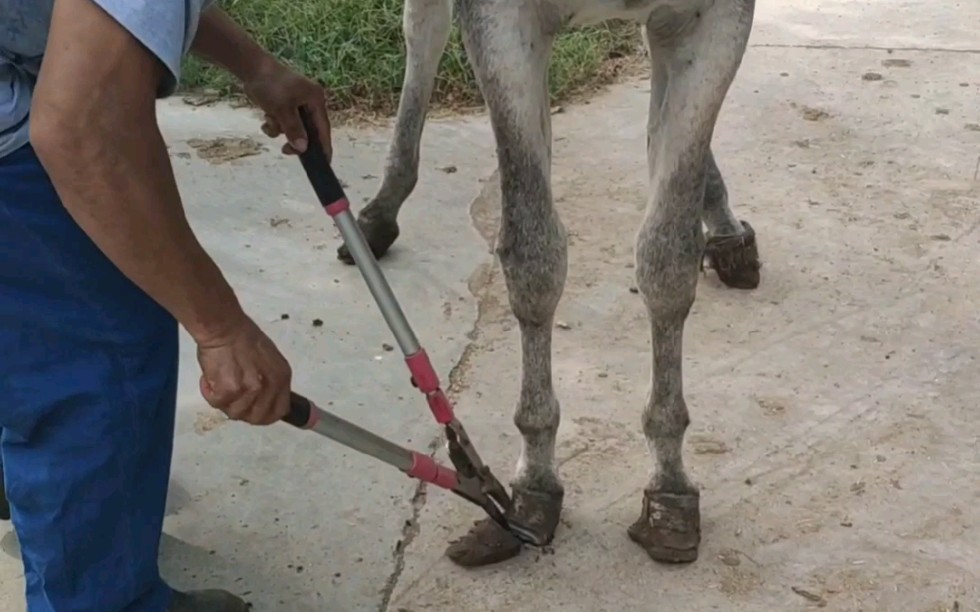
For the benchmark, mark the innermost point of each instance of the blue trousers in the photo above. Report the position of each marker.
(88, 376)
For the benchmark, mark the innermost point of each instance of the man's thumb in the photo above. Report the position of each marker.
(212, 396)
(292, 127)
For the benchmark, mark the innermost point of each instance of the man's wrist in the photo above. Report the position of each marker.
(255, 67)
(217, 319)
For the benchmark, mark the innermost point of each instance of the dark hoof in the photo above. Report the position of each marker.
(735, 258)
(669, 528)
(486, 543)
(380, 235)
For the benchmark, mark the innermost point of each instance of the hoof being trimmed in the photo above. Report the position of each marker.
(379, 233)
(486, 543)
(735, 258)
(669, 528)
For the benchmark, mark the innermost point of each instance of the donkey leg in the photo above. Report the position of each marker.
(509, 48)
(695, 59)
(731, 250)
(426, 25)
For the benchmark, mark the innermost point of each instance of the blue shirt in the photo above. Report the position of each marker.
(165, 27)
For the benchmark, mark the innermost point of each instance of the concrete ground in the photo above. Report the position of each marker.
(833, 412)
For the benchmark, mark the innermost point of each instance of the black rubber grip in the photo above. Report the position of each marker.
(299, 410)
(325, 183)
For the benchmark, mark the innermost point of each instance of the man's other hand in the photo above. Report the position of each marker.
(244, 375)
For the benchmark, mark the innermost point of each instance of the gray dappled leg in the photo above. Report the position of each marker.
(426, 24)
(531, 246)
(695, 57)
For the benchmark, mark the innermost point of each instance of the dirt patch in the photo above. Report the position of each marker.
(208, 421)
(225, 149)
(811, 113)
(702, 444)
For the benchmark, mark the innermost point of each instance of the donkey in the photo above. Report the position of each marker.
(695, 48)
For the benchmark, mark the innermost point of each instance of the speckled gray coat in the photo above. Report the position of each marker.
(696, 47)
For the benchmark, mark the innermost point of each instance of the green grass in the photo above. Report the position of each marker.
(356, 48)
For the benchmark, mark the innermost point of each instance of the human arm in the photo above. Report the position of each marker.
(94, 128)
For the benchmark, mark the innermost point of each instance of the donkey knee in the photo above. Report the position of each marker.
(668, 255)
(531, 246)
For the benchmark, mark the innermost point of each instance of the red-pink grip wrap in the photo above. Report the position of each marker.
(440, 407)
(426, 379)
(337, 207)
(426, 469)
(314, 417)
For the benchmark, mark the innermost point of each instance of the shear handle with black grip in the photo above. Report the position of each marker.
(300, 411)
(325, 183)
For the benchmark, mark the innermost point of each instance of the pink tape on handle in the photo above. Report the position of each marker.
(426, 469)
(426, 379)
(423, 373)
(337, 207)
(314, 417)
(440, 407)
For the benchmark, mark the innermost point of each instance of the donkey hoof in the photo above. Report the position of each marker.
(735, 258)
(487, 543)
(380, 235)
(669, 527)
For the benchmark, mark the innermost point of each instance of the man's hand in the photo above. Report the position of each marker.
(274, 87)
(280, 92)
(244, 375)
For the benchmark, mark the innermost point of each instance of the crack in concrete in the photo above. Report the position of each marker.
(409, 532)
(478, 282)
(411, 528)
(863, 48)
